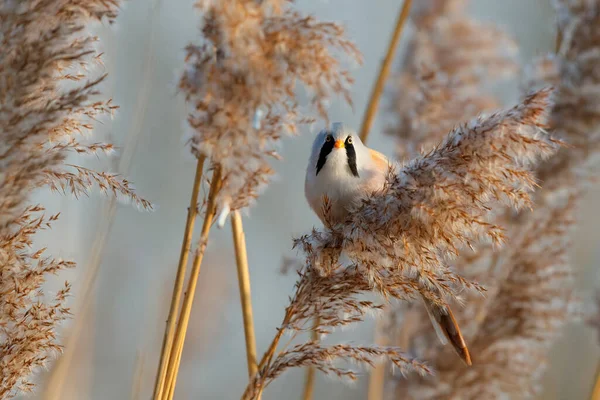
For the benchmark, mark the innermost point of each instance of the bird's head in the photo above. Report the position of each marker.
(338, 150)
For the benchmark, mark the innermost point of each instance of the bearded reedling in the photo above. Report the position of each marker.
(343, 170)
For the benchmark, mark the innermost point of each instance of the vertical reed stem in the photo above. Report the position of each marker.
(136, 387)
(377, 376)
(268, 356)
(309, 383)
(179, 280)
(241, 259)
(384, 71)
(596, 390)
(186, 309)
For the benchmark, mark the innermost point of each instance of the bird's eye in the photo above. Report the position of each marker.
(329, 138)
(349, 140)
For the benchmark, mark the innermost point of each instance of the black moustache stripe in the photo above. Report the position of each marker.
(351, 154)
(325, 150)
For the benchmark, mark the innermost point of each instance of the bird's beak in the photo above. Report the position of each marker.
(339, 144)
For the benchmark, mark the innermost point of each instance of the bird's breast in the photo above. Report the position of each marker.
(342, 190)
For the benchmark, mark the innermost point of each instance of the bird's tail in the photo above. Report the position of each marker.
(447, 328)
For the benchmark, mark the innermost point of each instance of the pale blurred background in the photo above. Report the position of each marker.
(124, 326)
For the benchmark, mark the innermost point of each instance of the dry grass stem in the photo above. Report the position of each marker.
(186, 308)
(241, 258)
(377, 375)
(309, 380)
(384, 71)
(136, 387)
(186, 246)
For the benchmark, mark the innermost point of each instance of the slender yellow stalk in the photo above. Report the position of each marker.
(186, 309)
(241, 259)
(186, 245)
(136, 387)
(596, 390)
(268, 356)
(384, 71)
(309, 383)
(377, 376)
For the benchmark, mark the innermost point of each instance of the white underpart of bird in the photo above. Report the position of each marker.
(343, 170)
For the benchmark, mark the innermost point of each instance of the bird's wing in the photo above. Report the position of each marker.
(380, 160)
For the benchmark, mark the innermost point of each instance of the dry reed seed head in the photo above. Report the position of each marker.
(327, 359)
(575, 117)
(399, 240)
(240, 84)
(530, 295)
(45, 46)
(524, 319)
(451, 65)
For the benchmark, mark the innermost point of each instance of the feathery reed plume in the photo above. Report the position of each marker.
(531, 287)
(240, 85)
(446, 77)
(368, 119)
(399, 240)
(44, 43)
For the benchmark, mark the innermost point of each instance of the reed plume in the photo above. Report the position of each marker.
(530, 293)
(239, 83)
(45, 45)
(451, 65)
(399, 240)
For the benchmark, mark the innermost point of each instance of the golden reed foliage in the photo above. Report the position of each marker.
(399, 240)
(530, 290)
(48, 101)
(239, 83)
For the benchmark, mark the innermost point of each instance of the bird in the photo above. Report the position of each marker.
(343, 170)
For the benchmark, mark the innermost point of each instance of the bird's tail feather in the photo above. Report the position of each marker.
(447, 329)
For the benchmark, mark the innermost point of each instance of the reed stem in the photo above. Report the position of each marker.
(596, 389)
(377, 376)
(136, 387)
(309, 383)
(186, 309)
(241, 259)
(268, 356)
(179, 280)
(384, 71)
